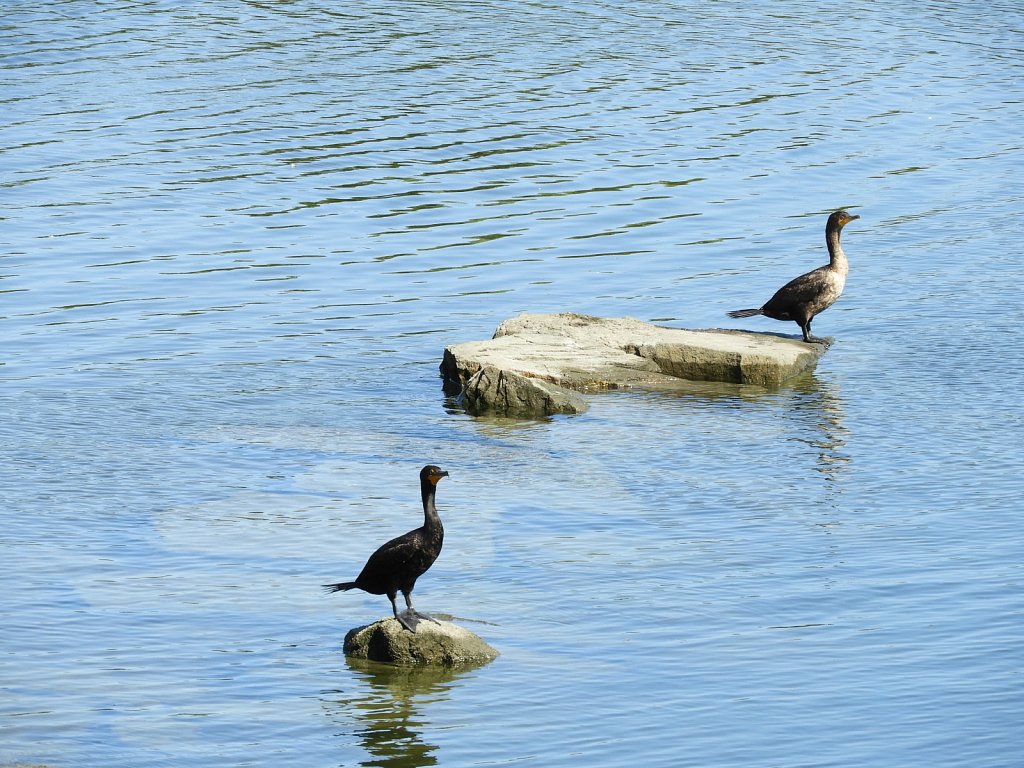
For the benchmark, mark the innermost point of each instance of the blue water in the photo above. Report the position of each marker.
(235, 240)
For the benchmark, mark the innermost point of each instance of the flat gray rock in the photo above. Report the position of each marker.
(443, 644)
(535, 364)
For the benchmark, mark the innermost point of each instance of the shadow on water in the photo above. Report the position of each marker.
(386, 710)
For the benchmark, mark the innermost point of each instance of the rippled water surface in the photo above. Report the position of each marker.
(235, 239)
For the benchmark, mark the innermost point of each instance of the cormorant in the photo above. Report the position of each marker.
(396, 565)
(804, 297)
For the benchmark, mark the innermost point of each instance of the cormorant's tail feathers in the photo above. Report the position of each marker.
(341, 586)
(744, 312)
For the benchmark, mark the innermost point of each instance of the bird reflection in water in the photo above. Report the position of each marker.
(386, 712)
(821, 403)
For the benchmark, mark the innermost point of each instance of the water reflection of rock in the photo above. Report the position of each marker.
(387, 710)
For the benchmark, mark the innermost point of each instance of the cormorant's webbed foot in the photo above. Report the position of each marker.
(410, 618)
(812, 339)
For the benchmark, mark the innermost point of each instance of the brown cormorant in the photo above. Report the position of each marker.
(395, 566)
(804, 297)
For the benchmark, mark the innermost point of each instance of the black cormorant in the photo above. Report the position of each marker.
(395, 566)
(804, 297)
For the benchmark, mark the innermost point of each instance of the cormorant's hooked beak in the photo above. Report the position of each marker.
(854, 216)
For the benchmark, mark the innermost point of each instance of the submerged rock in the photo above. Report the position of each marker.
(534, 362)
(443, 644)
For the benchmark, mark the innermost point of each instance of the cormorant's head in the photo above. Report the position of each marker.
(840, 219)
(431, 474)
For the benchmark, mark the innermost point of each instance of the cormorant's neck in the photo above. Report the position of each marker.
(430, 517)
(836, 257)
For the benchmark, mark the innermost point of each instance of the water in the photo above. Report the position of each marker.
(236, 238)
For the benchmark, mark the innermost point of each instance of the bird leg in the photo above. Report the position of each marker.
(409, 622)
(410, 617)
(806, 328)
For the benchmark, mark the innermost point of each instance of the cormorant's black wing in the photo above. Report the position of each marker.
(391, 561)
(799, 290)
